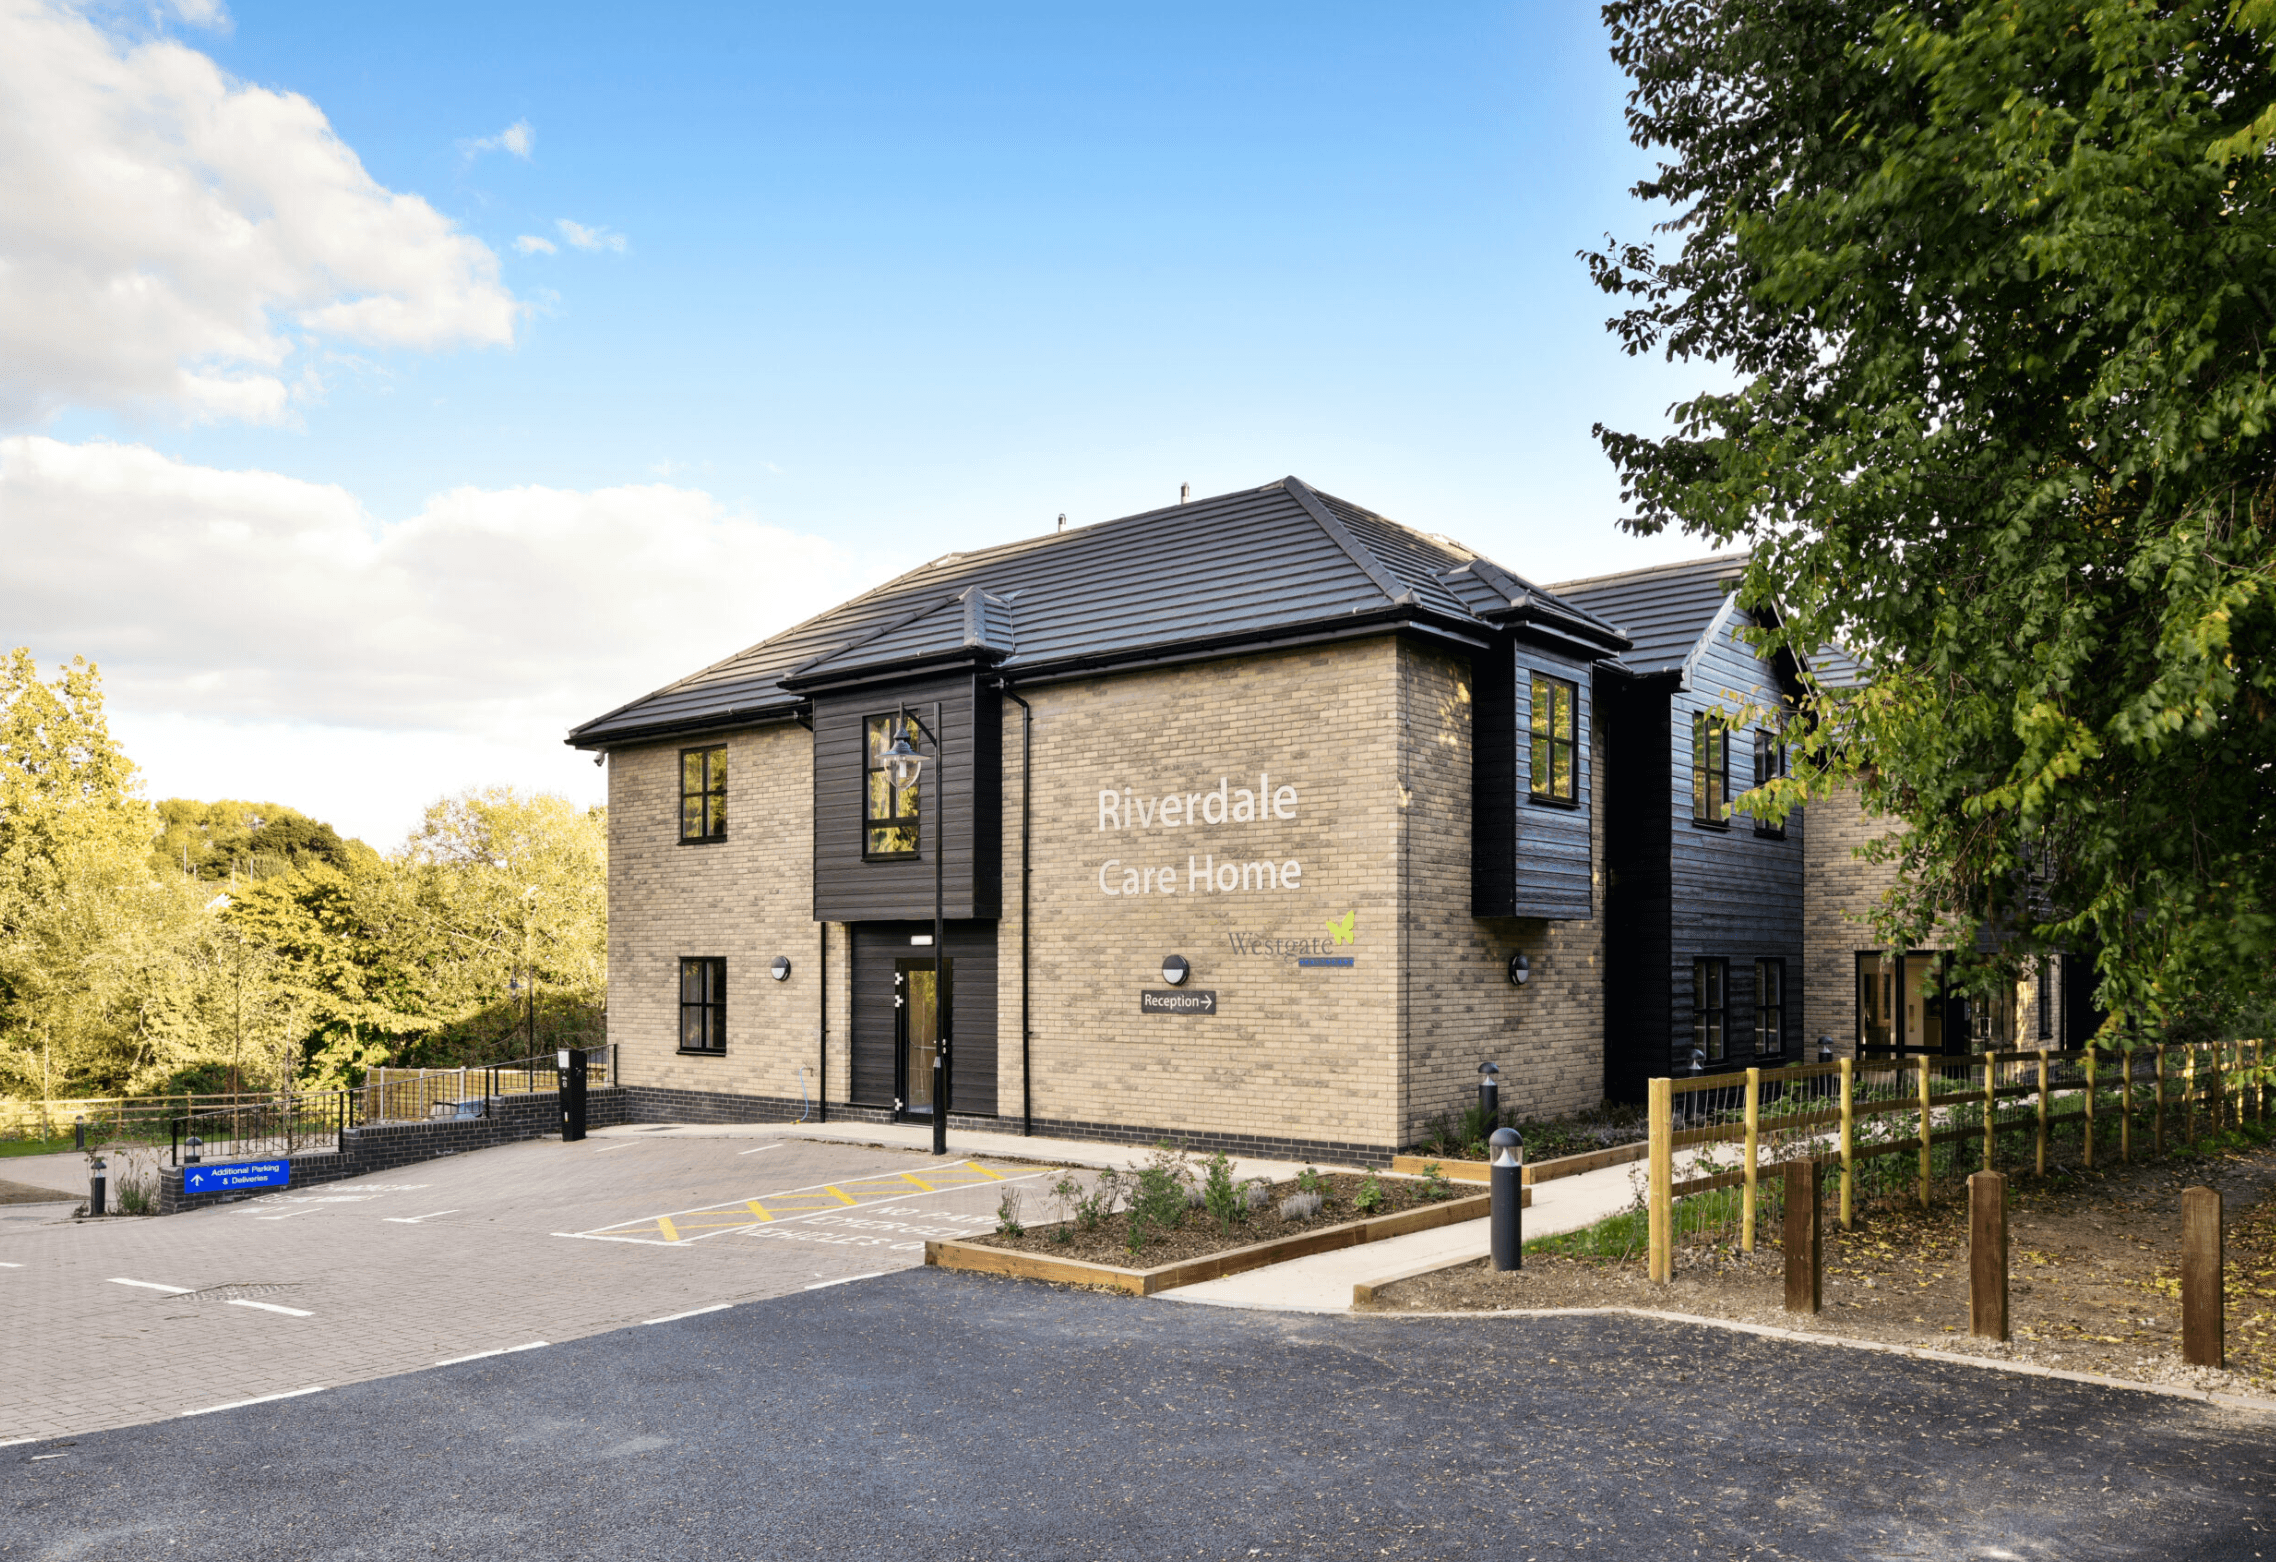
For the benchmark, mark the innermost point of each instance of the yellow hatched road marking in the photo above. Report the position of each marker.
(802, 1201)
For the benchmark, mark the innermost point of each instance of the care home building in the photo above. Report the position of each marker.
(1259, 821)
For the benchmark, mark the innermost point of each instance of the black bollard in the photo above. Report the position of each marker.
(1506, 1167)
(1489, 1096)
(79, 1135)
(572, 1094)
(95, 1187)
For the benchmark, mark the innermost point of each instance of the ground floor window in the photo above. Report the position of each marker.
(1710, 1007)
(703, 1004)
(1911, 1003)
(1769, 1008)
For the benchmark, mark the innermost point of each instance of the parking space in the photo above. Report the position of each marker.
(509, 1249)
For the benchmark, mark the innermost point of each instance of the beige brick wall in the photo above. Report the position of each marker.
(748, 898)
(1841, 891)
(1460, 1007)
(1374, 738)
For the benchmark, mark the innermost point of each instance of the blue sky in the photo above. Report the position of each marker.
(895, 280)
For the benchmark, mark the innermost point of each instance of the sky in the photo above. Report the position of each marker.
(384, 390)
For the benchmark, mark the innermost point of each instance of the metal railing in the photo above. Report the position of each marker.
(417, 1095)
(286, 1123)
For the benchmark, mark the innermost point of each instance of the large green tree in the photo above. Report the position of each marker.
(1990, 289)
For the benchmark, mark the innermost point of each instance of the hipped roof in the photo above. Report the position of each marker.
(1261, 566)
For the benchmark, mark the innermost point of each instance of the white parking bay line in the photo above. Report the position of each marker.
(693, 1312)
(504, 1350)
(152, 1285)
(272, 1307)
(774, 1146)
(604, 1149)
(824, 1285)
(413, 1220)
(240, 1404)
(11, 1266)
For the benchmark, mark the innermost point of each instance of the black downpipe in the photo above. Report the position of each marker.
(822, 1066)
(1026, 765)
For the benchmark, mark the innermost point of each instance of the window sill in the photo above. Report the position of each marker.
(703, 1052)
(892, 857)
(1540, 800)
(1719, 826)
(703, 840)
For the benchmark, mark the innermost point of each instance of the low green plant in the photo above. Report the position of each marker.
(1434, 1186)
(1620, 1236)
(1308, 1181)
(1220, 1194)
(1159, 1199)
(1369, 1198)
(1092, 1208)
(1007, 1214)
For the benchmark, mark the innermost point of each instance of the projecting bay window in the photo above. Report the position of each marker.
(1769, 1008)
(703, 1004)
(1556, 740)
(1710, 1008)
(703, 794)
(1710, 769)
(889, 812)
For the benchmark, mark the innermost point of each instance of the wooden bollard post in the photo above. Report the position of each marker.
(1926, 1141)
(1754, 1140)
(1661, 1181)
(1848, 1141)
(1987, 1256)
(1991, 1105)
(2089, 1126)
(2042, 1111)
(2157, 1087)
(1805, 1266)
(2204, 1340)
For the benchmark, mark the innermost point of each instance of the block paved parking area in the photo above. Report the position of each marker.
(516, 1248)
(933, 1416)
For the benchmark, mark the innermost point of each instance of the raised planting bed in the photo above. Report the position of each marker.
(1199, 1248)
(1535, 1171)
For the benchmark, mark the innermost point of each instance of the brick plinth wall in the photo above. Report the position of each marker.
(385, 1146)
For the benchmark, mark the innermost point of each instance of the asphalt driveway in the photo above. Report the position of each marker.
(927, 1415)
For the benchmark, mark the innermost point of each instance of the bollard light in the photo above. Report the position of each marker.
(95, 1187)
(193, 1150)
(1505, 1162)
(79, 1134)
(1489, 1095)
(1825, 1049)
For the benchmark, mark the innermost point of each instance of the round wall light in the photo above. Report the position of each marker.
(1175, 970)
(1520, 971)
(781, 968)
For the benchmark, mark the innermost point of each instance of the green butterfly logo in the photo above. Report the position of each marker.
(1343, 928)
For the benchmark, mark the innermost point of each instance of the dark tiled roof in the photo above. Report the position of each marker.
(1257, 564)
(1663, 610)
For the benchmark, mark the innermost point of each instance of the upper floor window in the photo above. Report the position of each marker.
(1710, 768)
(889, 812)
(1556, 742)
(1769, 765)
(703, 794)
(703, 1004)
(1769, 1008)
(1710, 1007)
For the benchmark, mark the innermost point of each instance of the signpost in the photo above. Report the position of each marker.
(245, 1174)
(1176, 1000)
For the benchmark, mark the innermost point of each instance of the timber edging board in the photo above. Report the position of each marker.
(978, 1259)
(1536, 1171)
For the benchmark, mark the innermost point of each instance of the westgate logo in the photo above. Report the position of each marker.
(1306, 952)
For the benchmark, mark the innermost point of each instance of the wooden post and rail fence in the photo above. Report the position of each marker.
(1853, 1117)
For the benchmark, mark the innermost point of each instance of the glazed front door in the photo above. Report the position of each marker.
(916, 1026)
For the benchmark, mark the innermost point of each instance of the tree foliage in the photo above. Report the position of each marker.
(1994, 286)
(213, 946)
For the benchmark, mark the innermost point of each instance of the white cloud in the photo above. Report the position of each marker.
(500, 616)
(167, 231)
(517, 138)
(531, 244)
(589, 238)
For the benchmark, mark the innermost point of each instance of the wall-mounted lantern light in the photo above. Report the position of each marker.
(1175, 970)
(1520, 971)
(903, 764)
(781, 968)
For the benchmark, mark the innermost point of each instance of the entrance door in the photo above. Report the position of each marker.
(916, 1033)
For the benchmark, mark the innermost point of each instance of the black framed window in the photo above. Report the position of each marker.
(1556, 739)
(1769, 765)
(1769, 1008)
(1876, 1002)
(889, 812)
(1710, 768)
(703, 1004)
(1710, 1007)
(2046, 1005)
(703, 794)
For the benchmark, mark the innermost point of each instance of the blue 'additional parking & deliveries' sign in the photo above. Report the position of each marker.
(245, 1174)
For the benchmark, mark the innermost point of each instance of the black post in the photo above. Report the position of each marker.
(95, 1187)
(79, 1134)
(572, 1062)
(1489, 1096)
(1506, 1166)
(940, 933)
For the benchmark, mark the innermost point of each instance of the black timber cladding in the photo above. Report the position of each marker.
(1679, 890)
(1530, 857)
(848, 888)
(1276, 564)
